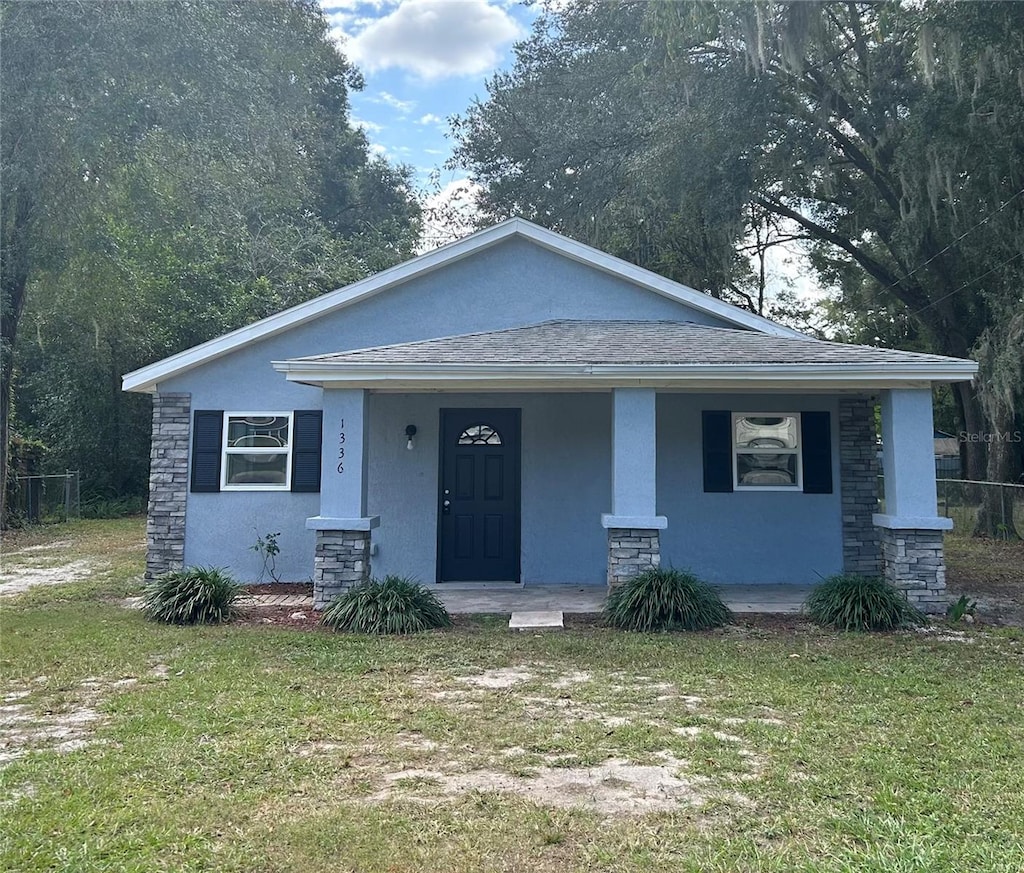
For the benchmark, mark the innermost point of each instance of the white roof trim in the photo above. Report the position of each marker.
(877, 375)
(146, 378)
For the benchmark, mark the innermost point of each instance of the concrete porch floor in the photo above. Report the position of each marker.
(464, 600)
(784, 599)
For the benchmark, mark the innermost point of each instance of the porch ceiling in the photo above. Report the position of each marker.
(598, 354)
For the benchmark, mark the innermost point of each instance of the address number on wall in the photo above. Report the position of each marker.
(341, 446)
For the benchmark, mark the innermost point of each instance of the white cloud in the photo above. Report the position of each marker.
(368, 126)
(403, 106)
(435, 38)
(430, 118)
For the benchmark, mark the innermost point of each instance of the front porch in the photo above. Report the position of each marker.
(605, 484)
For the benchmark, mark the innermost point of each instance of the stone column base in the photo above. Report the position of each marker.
(913, 561)
(631, 551)
(341, 562)
(168, 484)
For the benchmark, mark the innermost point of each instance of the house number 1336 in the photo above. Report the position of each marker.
(341, 446)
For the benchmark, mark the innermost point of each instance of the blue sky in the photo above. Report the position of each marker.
(423, 61)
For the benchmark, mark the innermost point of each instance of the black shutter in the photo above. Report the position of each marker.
(816, 439)
(307, 430)
(717, 429)
(207, 432)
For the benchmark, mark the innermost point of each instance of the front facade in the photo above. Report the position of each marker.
(518, 408)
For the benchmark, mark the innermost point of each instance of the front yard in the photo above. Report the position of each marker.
(767, 746)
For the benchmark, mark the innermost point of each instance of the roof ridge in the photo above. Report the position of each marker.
(746, 336)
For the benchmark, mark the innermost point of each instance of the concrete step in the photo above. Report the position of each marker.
(536, 620)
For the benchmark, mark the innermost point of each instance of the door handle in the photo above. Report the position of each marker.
(446, 506)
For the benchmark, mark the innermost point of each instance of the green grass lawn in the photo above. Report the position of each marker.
(767, 746)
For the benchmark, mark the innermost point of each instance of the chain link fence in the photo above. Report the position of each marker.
(49, 498)
(961, 500)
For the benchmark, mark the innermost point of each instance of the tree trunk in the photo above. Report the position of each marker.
(973, 451)
(995, 515)
(13, 282)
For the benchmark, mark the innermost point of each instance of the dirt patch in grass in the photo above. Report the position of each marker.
(97, 553)
(619, 776)
(615, 787)
(18, 579)
(501, 677)
(26, 727)
(990, 572)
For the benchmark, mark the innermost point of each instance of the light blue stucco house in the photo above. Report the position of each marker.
(519, 408)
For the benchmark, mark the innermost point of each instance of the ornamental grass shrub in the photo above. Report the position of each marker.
(860, 603)
(194, 595)
(660, 599)
(392, 605)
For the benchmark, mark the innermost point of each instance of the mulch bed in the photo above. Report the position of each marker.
(280, 616)
(304, 589)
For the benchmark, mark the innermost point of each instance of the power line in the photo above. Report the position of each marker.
(971, 282)
(969, 230)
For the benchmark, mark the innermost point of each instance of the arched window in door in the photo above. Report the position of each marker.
(480, 435)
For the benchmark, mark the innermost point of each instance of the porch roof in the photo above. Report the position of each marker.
(625, 352)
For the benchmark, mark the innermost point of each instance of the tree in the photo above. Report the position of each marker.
(575, 138)
(888, 133)
(169, 171)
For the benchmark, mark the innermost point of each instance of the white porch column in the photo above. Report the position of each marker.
(911, 528)
(633, 524)
(908, 456)
(343, 527)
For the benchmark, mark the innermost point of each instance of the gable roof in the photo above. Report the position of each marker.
(146, 378)
(665, 352)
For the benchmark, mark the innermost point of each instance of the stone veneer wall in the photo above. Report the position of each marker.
(341, 561)
(858, 483)
(168, 484)
(913, 561)
(631, 551)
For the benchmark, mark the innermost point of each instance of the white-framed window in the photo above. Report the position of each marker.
(257, 451)
(766, 451)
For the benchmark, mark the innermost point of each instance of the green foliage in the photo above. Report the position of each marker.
(171, 171)
(194, 595)
(886, 137)
(962, 607)
(112, 507)
(665, 600)
(860, 603)
(392, 605)
(267, 548)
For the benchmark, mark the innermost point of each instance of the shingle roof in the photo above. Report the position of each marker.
(626, 343)
(146, 379)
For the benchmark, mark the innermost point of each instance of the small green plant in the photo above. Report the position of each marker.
(392, 605)
(962, 608)
(195, 595)
(860, 603)
(267, 548)
(665, 600)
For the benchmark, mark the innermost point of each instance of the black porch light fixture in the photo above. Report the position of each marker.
(410, 432)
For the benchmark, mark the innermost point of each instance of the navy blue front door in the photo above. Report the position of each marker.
(478, 507)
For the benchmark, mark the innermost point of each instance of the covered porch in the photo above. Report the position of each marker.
(618, 447)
